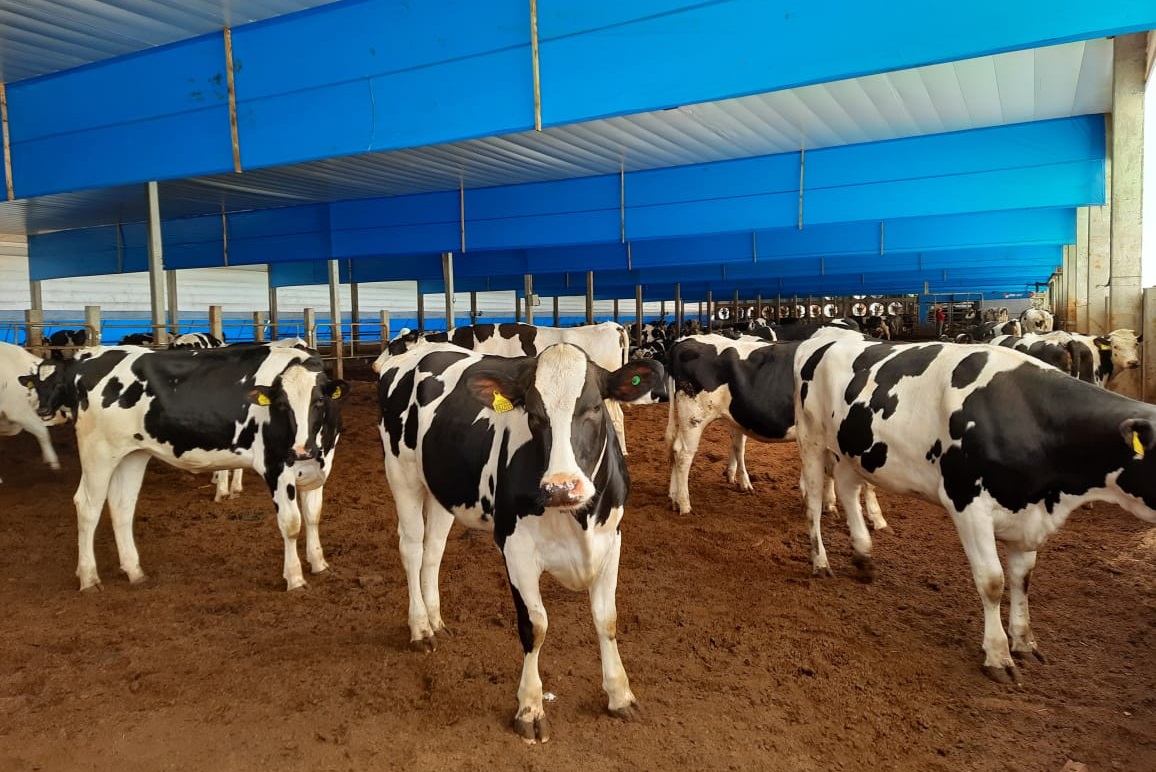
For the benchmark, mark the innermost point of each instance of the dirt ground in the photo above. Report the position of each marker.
(740, 658)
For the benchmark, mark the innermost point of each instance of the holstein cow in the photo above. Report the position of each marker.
(606, 344)
(197, 340)
(18, 405)
(1105, 356)
(522, 447)
(65, 339)
(269, 408)
(1056, 349)
(751, 385)
(1037, 320)
(1009, 446)
(137, 339)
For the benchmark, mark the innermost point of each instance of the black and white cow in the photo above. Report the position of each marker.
(137, 339)
(751, 385)
(606, 343)
(1037, 320)
(1104, 357)
(1008, 445)
(63, 341)
(18, 405)
(522, 447)
(269, 408)
(196, 340)
(1056, 349)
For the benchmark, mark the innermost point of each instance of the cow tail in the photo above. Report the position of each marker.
(624, 344)
(671, 416)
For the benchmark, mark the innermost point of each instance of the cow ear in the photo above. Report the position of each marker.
(261, 395)
(1140, 436)
(27, 381)
(1102, 343)
(632, 381)
(496, 390)
(336, 390)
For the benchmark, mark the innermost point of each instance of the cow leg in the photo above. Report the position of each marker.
(978, 535)
(47, 452)
(602, 604)
(811, 481)
(289, 521)
(1019, 568)
(848, 484)
(410, 536)
(671, 418)
(874, 511)
(438, 522)
(123, 490)
(310, 502)
(830, 501)
(524, 572)
(96, 471)
(619, 420)
(221, 480)
(737, 463)
(235, 488)
(685, 445)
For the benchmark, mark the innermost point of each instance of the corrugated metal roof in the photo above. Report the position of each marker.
(1059, 81)
(38, 37)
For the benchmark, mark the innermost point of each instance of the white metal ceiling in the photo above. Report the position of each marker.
(1054, 82)
(38, 37)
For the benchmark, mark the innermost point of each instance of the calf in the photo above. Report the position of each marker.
(522, 447)
(18, 405)
(750, 384)
(606, 344)
(1009, 446)
(225, 488)
(64, 341)
(270, 409)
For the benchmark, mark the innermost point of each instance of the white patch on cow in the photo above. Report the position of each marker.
(560, 377)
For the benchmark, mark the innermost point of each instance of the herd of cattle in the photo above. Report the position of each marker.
(518, 430)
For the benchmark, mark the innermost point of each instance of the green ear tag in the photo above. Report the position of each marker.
(1137, 445)
(501, 404)
(636, 380)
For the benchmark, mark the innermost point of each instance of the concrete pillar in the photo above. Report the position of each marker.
(448, 278)
(528, 280)
(37, 295)
(1099, 255)
(1079, 323)
(385, 331)
(34, 331)
(174, 305)
(92, 324)
(1127, 151)
(156, 266)
(1148, 353)
(590, 297)
(216, 323)
(1068, 288)
(310, 327)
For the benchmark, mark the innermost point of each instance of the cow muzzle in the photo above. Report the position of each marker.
(299, 453)
(565, 491)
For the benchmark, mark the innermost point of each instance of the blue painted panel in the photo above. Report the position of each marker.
(392, 268)
(382, 75)
(88, 252)
(545, 230)
(593, 257)
(418, 209)
(506, 262)
(304, 273)
(607, 57)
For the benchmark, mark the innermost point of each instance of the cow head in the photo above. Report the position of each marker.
(1125, 348)
(309, 405)
(562, 394)
(1138, 477)
(48, 390)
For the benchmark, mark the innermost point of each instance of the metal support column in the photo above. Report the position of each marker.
(557, 319)
(354, 317)
(709, 310)
(174, 304)
(156, 266)
(274, 316)
(92, 324)
(335, 317)
(529, 282)
(679, 311)
(473, 308)
(448, 278)
(36, 295)
(1127, 153)
(420, 310)
(616, 310)
(638, 314)
(590, 297)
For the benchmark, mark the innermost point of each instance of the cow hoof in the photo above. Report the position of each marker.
(424, 645)
(532, 731)
(821, 571)
(626, 712)
(1024, 656)
(94, 587)
(141, 578)
(301, 586)
(1008, 674)
(54, 466)
(322, 568)
(866, 566)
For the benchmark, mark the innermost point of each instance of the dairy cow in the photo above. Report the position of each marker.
(271, 409)
(1008, 445)
(606, 344)
(63, 341)
(1103, 357)
(522, 447)
(1056, 349)
(1037, 320)
(750, 384)
(18, 405)
(196, 340)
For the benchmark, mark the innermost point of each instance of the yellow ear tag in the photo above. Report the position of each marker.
(501, 404)
(336, 393)
(1104, 346)
(263, 400)
(1137, 445)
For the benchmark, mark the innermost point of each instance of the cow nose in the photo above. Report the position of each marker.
(300, 453)
(563, 491)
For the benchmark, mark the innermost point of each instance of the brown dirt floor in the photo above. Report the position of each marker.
(740, 658)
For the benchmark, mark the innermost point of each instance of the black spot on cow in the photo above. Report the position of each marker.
(247, 434)
(862, 365)
(393, 405)
(92, 372)
(483, 332)
(968, 370)
(803, 392)
(854, 436)
(439, 361)
(137, 436)
(526, 333)
(111, 392)
(907, 363)
(411, 427)
(291, 491)
(131, 395)
(807, 372)
(875, 457)
(936, 451)
(429, 390)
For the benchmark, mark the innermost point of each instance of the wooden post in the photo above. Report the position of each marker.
(258, 327)
(638, 314)
(310, 328)
(274, 317)
(385, 336)
(34, 331)
(420, 310)
(528, 279)
(590, 297)
(710, 310)
(92, 324)
(216, 326)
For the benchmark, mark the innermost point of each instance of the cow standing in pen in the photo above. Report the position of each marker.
(227, 484)
(1008, 445)
(523, 447)
(271, 409)
(18, 405)
(606, 344)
